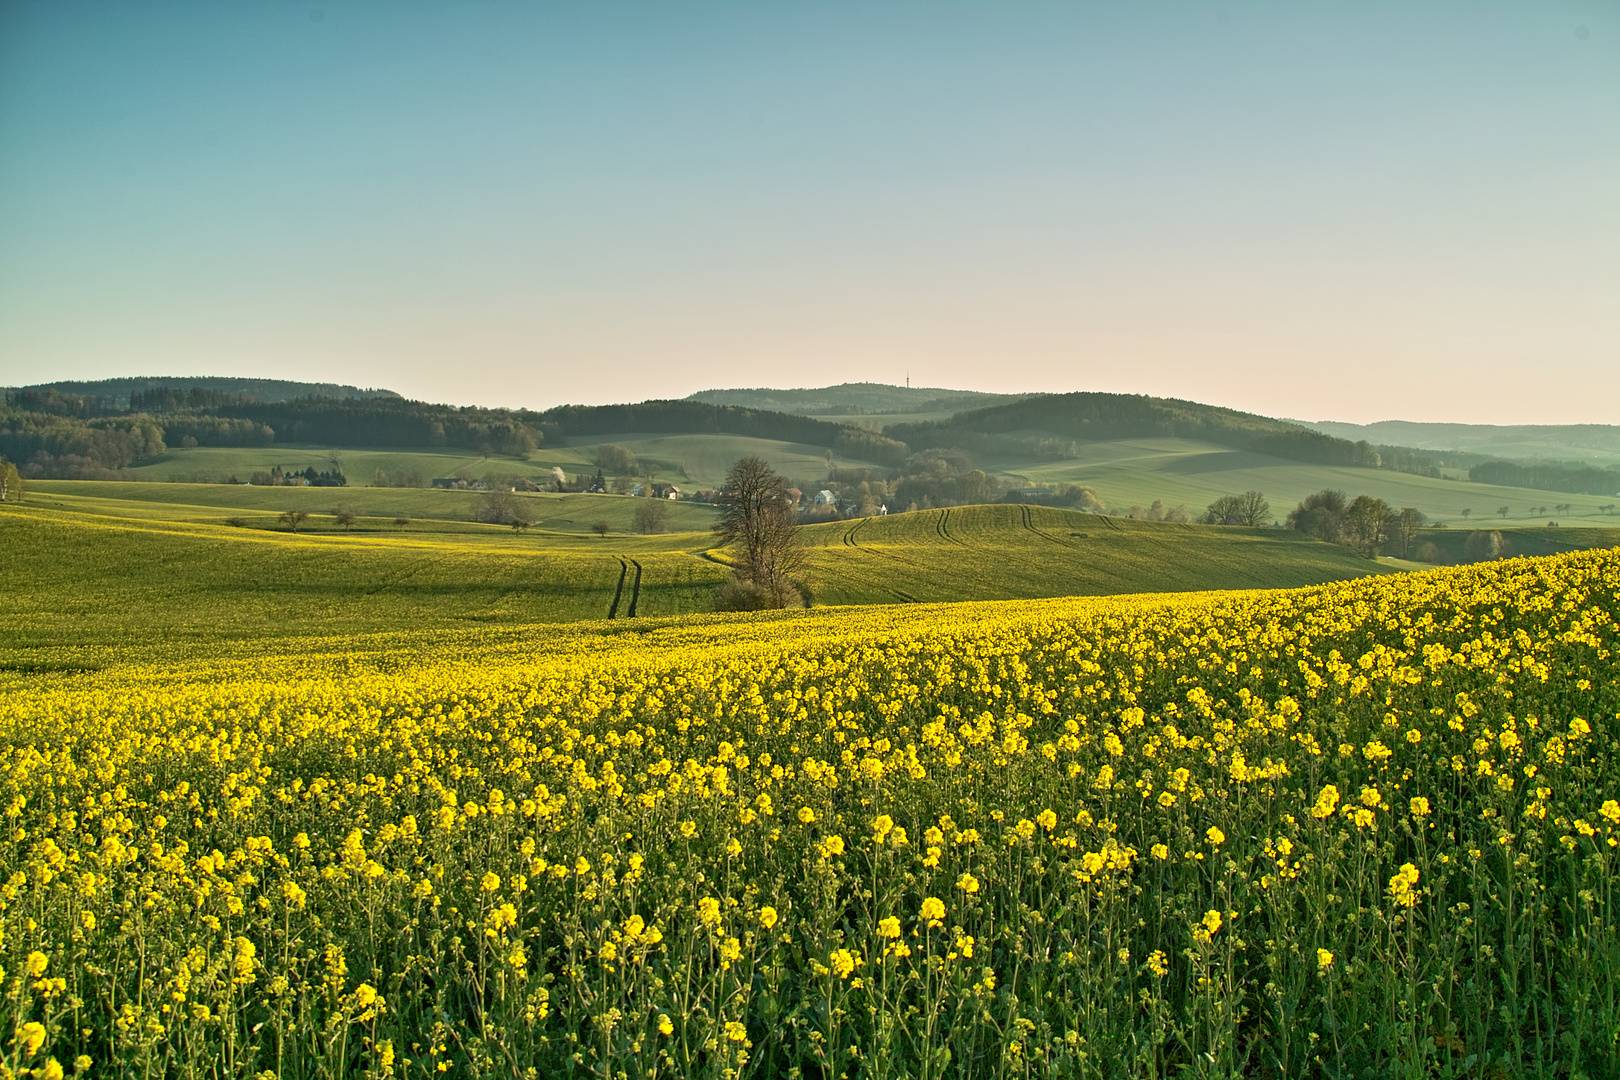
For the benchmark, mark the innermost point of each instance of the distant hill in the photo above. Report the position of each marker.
(1033, 421)
(116, 392)
(1595, 443)
(855, 399)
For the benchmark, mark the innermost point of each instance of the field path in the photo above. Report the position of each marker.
(635, 589)
(624, 572)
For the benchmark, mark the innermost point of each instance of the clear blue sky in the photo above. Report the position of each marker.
(1352, 211)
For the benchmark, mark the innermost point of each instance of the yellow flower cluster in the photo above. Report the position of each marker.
(607, 851)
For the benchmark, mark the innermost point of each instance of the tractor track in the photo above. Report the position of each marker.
(635, 589)
(1029, 523)
(618, 594)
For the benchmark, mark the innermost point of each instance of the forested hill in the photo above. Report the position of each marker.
(118, 393)
(1093, 416)
(855, 399)
(52, 433)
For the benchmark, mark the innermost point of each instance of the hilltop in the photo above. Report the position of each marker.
(856, 399)
(1132, 454)
(118, 392)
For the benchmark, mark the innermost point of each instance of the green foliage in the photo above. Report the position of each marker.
(11, 482)
(616, 459)
(691, 417)
(870, 446)
(1553, 476)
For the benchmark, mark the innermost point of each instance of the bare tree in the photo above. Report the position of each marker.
(1407, 525)
(601, 528)
(758, 519)
(294, 518)
(346, 517)
(1250, 508)
(496, 508)
(651, 515)
(1367, 522)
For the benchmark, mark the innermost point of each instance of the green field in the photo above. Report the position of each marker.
(1122, 472)
(75, 581)
(86, 557)
(991, 552)
(695, 461)
(1597, 444)
(430, 509)
(1127, 471)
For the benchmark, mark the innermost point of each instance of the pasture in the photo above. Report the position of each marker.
(1123, 472)
(998, 552)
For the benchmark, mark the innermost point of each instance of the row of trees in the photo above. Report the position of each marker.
(1577, 478)
(1364, 523)
(1249, 508)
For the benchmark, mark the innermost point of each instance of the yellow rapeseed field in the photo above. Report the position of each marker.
(1361, 829)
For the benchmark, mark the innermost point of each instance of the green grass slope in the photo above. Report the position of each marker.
(1195, 473)
(991, 552)
(1595, 443)
(430, 509)
(697, 461)
(81, 580)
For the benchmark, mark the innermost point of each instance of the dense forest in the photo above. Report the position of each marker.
(57, 433)
(1550, 476)
(119, 394)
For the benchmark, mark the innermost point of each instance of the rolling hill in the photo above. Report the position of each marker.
(86, 561)
(999, 552)
(857, 399)
(1598, 444)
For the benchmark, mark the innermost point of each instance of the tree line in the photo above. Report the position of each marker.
(1577, 479)
(85, 436)
(1364, 523)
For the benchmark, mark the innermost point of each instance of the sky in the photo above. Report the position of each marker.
(1349, 211)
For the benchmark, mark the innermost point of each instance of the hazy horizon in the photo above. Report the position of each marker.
(1355, 214)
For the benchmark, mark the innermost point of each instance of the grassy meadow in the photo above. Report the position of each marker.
(696, 461)
(991, 552)
(87, 557)
(78, 582)
(1123, 472)
(429, 509)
